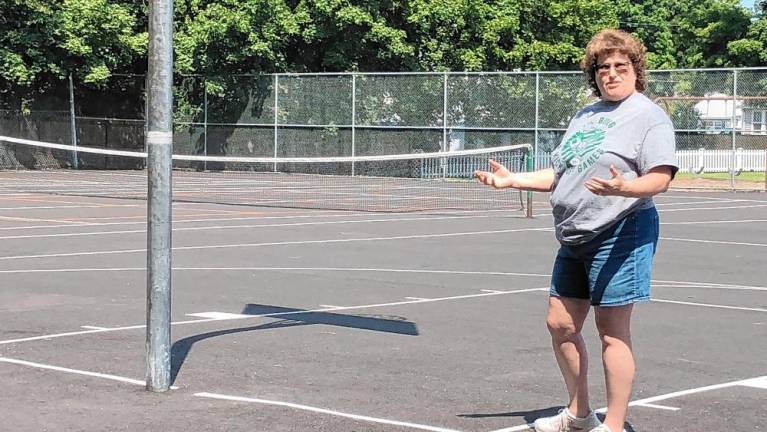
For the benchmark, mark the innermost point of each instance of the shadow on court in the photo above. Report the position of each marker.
(297, 317)
(531, 415)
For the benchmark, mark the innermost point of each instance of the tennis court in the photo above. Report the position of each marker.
(297, 319)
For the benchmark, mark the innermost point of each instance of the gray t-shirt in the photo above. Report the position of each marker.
(634, 135)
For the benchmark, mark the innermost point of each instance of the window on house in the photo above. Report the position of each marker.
(714, 124)
(758, 120)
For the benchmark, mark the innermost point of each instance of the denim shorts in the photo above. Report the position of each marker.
(614, 268)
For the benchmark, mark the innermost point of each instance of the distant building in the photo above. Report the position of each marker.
(755, 121)
(716, 115)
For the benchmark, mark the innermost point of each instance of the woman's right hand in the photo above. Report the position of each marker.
(499, 177)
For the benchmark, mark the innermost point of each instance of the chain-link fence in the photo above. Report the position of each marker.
(720, 115)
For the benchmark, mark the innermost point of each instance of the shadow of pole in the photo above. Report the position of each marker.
(294, 317)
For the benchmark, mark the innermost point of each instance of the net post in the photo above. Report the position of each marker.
(205, 122)
(159, 145)
(734, 117)
(354, 118)
(445, 146)
(72, 122)
(537, 113)
(276, 86)
(530, 168)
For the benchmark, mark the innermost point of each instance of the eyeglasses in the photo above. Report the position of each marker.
(621, 68)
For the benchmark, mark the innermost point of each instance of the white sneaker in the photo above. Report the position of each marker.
(566, 422)
(603, 428)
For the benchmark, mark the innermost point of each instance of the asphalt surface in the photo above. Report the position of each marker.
(312, 320)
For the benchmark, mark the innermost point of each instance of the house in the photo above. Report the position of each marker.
(755, 120)
(716, 114)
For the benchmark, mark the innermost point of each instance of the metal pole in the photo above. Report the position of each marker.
(537, 118)
(354, 117)
(205, 123)
(445, 147)
(276, 107)
(444, 114)
(159, 144)
(734, 110)
(530, 168)
(72, 123)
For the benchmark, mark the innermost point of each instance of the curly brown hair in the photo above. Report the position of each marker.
(612, 40)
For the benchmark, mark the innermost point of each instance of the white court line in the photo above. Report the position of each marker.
(238, 316)
(87, 327)
(218, 316)
(746, 382)
(224, 227)
(85, 332)
(76, 270)
(416, 298)
(74, 371)
(287, 243)
(72, 207)
(711, 285)
(692, 286)
(665, 204)
(61, 255)
(269, 315)
(645, 402)
(714, 242)
(709, 305)
(180, 221)
(661, 407)
(655, 283)
(760, 383)
(331, 307)
(25, 219)
(471, 213)
(36, 198)
(712, 208)
(329, 269)
(714, 222)
(324, 411)
(708, 198)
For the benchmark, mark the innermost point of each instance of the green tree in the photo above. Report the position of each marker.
(224, 37)
(90, 37)
(41, 42)
(504, 34)
(752, 49)
(346, 35)
(691, 33)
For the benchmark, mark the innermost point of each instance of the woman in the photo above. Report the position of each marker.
(615, 156)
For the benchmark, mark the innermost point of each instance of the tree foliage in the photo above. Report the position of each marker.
(93, 38)
(692, 34)
(41, 40)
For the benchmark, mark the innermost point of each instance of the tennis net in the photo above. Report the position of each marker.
(387, 183)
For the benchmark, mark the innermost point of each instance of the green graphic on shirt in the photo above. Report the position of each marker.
(582, 149)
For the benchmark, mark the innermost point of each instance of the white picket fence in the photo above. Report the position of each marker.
(702, 160)
(695, 161)
(712, 161)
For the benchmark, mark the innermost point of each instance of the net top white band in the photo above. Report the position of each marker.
(526, 148)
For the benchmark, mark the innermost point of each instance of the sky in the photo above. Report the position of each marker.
(748, 3)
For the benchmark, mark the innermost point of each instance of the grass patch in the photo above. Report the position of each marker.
(744, 176)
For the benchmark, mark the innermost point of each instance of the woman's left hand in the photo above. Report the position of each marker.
(613, 186)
